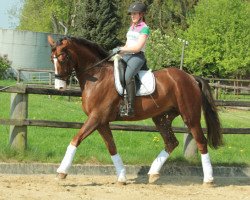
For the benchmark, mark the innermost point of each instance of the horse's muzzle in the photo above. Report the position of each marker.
(60, 84)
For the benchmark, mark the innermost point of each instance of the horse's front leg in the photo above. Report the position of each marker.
(88, 127)
(107, 136)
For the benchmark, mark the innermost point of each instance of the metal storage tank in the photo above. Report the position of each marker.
(26, 49)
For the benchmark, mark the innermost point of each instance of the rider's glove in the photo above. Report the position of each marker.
(116, 50)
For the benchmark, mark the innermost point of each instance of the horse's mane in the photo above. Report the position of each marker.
(91, 45)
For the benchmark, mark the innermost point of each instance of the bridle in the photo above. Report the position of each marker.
(68, 57)
(60, 54)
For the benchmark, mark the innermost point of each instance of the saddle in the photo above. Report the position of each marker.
(145, 79)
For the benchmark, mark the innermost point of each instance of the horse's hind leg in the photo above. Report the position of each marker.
(193, 123)
(201, 142)
(190, 111)
(107, 136)
(163, 123)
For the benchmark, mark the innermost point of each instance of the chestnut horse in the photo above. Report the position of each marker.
(176, 93)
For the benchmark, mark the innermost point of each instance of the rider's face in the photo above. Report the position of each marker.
(135, 17)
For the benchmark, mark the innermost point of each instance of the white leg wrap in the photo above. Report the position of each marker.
(207, 168)
(67, 160)
(158, 162)
(120, 169)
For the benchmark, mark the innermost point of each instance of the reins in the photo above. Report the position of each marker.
(98, 63)
(87, 69)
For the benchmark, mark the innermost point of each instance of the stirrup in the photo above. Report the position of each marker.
(125, 111)
(130, 110)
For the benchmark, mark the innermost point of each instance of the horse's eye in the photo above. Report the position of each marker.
(63, 55)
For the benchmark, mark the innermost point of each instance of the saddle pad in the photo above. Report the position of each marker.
(147, 80)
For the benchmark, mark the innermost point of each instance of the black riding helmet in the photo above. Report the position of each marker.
(137, 7)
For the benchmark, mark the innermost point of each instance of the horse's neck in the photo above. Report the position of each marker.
(86, 70)
(93, 76)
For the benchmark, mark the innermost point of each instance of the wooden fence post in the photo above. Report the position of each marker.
(18, 75)
(190, 147)
(50, 82)
(50, 78)
(18, 110)
(216, 95)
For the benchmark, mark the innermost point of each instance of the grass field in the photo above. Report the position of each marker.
(49, 144)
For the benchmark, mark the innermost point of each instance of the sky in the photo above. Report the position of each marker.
(5, 21)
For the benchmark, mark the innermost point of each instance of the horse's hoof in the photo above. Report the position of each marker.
(122, 180)
(208, 184)
(208, 181)
(121, 183)
(61, 176)
(153, 178)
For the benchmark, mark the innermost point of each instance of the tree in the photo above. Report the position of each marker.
(166, 15)
(169, 15)
(47, 16)
(122, 8)
(219, 36)
(4, 65)
(163, 50)
(98, 21)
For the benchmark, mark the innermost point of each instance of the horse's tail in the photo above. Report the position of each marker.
(214, 135)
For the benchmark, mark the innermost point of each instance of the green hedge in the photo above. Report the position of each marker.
(163, 50)
(4, 65)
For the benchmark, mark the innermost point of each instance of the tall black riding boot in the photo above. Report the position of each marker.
(130, 88)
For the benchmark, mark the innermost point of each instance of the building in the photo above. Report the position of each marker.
(26, 49)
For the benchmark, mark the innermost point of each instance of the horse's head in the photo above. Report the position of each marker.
(63, 62)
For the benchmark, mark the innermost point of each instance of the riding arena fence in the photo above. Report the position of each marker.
(19, 113)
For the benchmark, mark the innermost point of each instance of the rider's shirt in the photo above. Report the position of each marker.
(135, 31)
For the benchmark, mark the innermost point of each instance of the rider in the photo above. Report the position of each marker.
(133, 51)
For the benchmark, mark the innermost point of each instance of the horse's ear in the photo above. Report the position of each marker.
(66, 42)
(51, 41)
